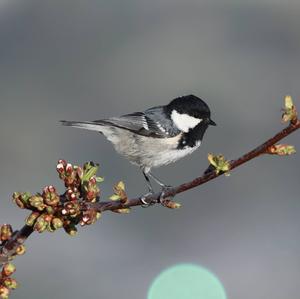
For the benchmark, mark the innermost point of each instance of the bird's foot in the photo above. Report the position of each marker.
(164, 200)
(146, 203)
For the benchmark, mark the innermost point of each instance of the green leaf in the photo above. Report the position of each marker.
(89, 170)
(99, 179)
(281, 149)
(114, 197)
(219, 163)
(289, 110)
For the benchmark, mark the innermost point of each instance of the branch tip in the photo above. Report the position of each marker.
(289, 111)
(80, 203)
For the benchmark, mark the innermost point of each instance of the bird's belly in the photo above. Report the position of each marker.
(165, 157)
(148, 152)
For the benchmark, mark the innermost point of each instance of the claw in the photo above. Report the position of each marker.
(163, 200)
(145, 203)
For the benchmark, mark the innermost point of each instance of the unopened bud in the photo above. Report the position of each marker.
(50, 196)
(281, 150)
(47, 217)
(171, 204)
(21, 249)
(289, 110)
(90, 195)
(30, 220)
(63, 162)
(79, 171)
(71, 230)
(51, 189)
(73, 196)
(69, 168)
(92, 180)
(88, 217)
(10, 283)
(21, 199)
(37, 202)
(8, 269)
(20, 203)
(56, 223)
(5, 232)
(40, 224)
(219, 163)
(60, 168)
(4, 292)
(71, 208)
(50, 210)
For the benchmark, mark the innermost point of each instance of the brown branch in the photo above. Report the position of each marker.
(210, 175)
(80, 204)
(8, 249)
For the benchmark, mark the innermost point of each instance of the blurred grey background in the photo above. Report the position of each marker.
(84, 60)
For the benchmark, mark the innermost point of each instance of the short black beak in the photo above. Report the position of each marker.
(211, 122)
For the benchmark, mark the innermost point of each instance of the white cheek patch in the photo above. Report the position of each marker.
(184, 122)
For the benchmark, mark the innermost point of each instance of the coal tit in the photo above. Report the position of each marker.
(157, 136)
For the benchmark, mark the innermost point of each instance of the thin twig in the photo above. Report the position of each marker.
(9, 248)
(259, 150)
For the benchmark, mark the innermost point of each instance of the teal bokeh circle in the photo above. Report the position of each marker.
(186, 281)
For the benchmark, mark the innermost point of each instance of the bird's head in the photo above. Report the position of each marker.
(189, 111)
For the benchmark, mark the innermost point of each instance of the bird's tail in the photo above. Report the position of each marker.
(87, 125)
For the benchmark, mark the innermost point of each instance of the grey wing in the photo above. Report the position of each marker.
(160, 122)
(150, 123)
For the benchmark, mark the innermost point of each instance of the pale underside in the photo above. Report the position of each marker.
(146, 152)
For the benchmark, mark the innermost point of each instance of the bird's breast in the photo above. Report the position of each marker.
(159, 152)
(148, 152)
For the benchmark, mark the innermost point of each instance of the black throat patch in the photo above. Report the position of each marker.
(190, 138)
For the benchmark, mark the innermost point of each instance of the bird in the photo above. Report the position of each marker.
(157, 136)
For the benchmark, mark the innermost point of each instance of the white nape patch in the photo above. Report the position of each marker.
(184, 122)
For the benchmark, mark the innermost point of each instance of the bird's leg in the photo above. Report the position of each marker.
(150, 188)
(143, 198)
(164, 187)
(158, 181)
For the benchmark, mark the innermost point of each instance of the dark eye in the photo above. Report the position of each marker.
(194, 114)
(197, 114)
